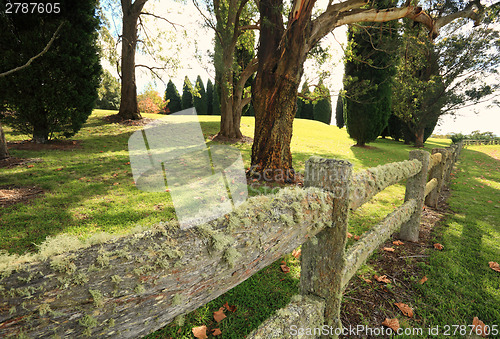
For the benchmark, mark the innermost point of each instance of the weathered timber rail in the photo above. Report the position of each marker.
(129, 286)
(468, 142)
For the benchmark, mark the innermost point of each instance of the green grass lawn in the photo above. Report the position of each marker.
(90, 190)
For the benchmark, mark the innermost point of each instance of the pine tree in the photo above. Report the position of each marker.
(173, 98)
(323, 107)
(187, 94)
(369, 71)
(200, 97)
(210, 97)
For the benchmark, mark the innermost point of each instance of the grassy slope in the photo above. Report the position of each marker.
(461, 285)
(94, 192)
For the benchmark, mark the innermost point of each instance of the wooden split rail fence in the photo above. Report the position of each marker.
(467, 142)
(129, 286)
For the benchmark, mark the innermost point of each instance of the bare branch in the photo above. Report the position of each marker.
(162, 18)
(153, 71)
(249, 27)
(51, 41)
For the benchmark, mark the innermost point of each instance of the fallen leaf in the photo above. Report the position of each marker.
(367, 280)
(356, 237)
(494, 266)
(389, 249)
(382, 278)
(438, 246)
(407, 310)
(219, 315)
(116, 183)
(285, 269)
(216, 331)
(479, 327)
(230, 308)
(398, 242)
(391, 323)
(200, 332)
(222, 199)
(349, 235)
(423, 280)
(127, 163)
(241, 193)
(490, 201)
(297, 253)
(31, 166)
(59, 169)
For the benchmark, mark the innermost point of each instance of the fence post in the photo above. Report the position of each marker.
(415, 189)
(437, 172)
(323, 257)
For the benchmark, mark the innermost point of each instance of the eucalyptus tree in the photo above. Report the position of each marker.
(233, 23)
(457, 71)
(283, 49)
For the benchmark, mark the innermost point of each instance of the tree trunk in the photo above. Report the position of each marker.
(3, 145)
(419, 137)
(128, 105)
(229, 116)
(41, 129)
(275, 90)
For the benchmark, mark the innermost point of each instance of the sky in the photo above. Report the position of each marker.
(191, 42)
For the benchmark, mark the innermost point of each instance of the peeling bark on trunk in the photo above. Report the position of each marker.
(128, 105)
(3, 145)
(275, 89)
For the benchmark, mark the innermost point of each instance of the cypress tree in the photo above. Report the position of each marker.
(55, 95)
(210, 97)
(187, 94)
(200, 97)
(339, 111)
(216, 102)
(173, 98)
(323, 107)
(307, 107)
(369, 71)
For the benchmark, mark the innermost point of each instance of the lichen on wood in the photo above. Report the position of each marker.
(358, 253)
(366, 184)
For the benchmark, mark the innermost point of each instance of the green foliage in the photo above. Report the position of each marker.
(150, 101)
(172, 98)
(474, 135)
(369, 69)
(305, 106)
(54, 95)
(187, 94)
(109, 92)
(339, 111)
(216, 101)
(200, 97)
(210, 97)
(322, 109)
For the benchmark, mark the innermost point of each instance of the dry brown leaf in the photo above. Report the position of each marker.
(382, 278)
(216, 331)
(494, 266)
(391, 323)
(297, 253)
(349, 235)
(389, 249)
(407, 310)
(285, 269)
(367, 280)
(423, 280)
(438, 246)
(200, 332)
(479, 327)
(356, 237)
(398, 243)
(230, 308)
(219, 315)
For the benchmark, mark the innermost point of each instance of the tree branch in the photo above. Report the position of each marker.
(162, 18)
(47, 47)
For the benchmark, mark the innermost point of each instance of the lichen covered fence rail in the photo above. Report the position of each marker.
(129, 286)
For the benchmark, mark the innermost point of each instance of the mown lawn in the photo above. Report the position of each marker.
(90, 189)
